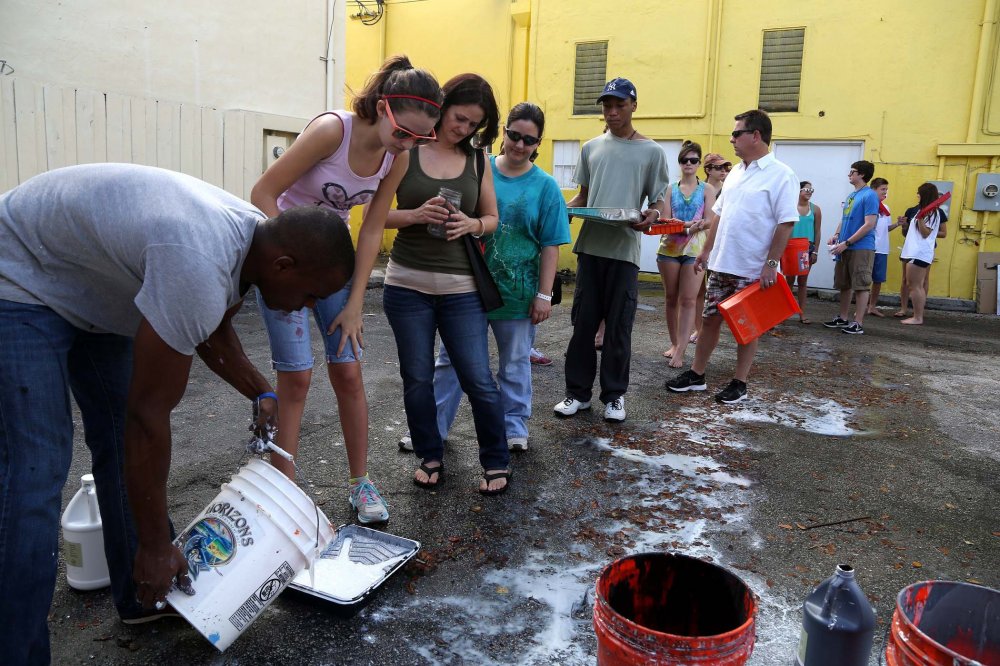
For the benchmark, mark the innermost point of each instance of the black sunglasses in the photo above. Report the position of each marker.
(517, 136)
(689, 160)
(736, 133)
(727, 167)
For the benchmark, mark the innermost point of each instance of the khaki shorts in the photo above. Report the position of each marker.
(854, 270)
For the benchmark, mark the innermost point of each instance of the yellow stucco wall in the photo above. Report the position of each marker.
(911, 79)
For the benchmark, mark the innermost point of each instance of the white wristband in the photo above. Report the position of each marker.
(542, 296)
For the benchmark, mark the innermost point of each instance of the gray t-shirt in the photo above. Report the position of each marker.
(618, 174)
(104, 245)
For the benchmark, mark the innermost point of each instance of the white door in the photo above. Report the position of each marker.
(824, 164)
(647, 256)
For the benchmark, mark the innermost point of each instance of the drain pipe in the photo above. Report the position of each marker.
(977, 119)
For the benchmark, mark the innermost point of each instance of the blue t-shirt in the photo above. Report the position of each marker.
(532, 216)
(859, 204)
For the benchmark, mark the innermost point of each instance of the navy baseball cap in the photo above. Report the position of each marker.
(620, 88)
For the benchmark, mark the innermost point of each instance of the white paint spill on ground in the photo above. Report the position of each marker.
(557, 587)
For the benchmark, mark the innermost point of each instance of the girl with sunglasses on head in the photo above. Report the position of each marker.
(689, 199)
(716, 170)
(808, 227)
(429, 284)
(344, 159)
(522, 256)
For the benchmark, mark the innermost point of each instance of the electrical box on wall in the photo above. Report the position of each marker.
(987, 192)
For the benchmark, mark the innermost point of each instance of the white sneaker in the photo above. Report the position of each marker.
(368, 502)
(569, 407)
(517, 443)
(405, 443)
(615, 410)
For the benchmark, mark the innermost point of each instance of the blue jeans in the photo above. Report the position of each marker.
(43, 359)
(288, 333)
(415, 317)
(514, 339)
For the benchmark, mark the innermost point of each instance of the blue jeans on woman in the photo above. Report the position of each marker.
(43, 358)
(514, 339)
(415, 318)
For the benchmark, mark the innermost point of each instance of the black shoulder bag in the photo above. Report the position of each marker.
(485, 284)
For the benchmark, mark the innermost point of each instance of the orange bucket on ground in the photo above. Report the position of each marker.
(795, 258)
(944, 623)
(670, 609)
(753, 311)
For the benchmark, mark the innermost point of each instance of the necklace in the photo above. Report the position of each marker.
(632, 135)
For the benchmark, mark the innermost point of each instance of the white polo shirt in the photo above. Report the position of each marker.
(754, 200)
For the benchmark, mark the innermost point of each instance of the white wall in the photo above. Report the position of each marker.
(258, 55)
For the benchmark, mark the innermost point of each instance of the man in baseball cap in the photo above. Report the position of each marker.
(619, 169)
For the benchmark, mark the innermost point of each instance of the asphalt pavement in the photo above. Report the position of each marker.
(879, 451)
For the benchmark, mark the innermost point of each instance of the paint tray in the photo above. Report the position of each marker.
(666, 226)
(353, 566)
(617, 217)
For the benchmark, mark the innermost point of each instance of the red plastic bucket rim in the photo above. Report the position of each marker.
(908, 623)
(732, 633)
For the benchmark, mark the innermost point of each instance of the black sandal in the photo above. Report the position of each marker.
(430, 471)
(493, 476)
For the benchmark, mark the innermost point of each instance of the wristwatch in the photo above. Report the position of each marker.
(772, 263)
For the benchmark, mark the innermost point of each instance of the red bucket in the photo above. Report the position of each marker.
(753, 311)
(943, 623)
(667, 609)
(795, 258)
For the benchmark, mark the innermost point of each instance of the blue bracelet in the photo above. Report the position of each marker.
(269, 394)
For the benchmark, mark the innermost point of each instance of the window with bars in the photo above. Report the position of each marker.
(590, 77)
(565, 155)
(781, 69)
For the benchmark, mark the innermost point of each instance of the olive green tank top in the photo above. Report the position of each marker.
(414, 247)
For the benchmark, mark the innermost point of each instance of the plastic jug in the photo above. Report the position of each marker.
(838, 623)
(83, 539)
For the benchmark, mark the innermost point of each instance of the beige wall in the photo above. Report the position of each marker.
(258, 55)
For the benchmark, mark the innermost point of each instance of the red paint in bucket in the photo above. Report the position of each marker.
(795, 258)
(943, 623)
(664, 608)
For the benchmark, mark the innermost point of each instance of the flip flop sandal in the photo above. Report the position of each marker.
(427, 485)
(492, 476)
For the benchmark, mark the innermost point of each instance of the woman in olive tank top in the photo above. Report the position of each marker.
(429, 286)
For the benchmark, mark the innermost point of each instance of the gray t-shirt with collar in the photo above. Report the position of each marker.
(105, 245)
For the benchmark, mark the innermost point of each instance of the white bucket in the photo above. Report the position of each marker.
(244, 548)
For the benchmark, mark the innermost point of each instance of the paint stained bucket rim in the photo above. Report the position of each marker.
(734, 633)
(904, 618)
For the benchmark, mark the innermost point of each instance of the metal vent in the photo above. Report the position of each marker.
(591, 72)
(781, 69)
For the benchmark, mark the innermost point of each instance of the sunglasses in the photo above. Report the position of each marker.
(689, 160)
(727, 167)
(405, 134)
(852, 172)
(808, 190)
(517, 136)
(737, 133)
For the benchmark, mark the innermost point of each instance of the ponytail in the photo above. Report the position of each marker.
(417, 90)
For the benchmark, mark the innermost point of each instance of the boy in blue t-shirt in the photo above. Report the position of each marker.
(853, 246)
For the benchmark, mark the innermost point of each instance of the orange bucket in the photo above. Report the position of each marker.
(795, 258)
(753, 311)
(671, 609)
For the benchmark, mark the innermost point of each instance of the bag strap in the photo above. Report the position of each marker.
(480, 166)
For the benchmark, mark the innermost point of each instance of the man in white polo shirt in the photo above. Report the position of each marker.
(755, 212)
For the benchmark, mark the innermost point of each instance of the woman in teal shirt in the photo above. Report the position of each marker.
(808, 227)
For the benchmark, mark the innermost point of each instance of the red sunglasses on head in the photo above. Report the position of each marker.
(399, 132)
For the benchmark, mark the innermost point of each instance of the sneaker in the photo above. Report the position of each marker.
(854, 328)
(151, 615)
(689, 380)
(517, 443)
(836, 322)
(614, 411)
(367, 501)
(405, 443)
(735, 392)
(538, 358)
(570, 406)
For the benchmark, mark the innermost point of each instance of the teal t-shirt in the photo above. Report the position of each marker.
(532, 216)
(618, 174)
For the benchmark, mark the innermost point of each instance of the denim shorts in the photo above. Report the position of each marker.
(683, 260)
(291, 343)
